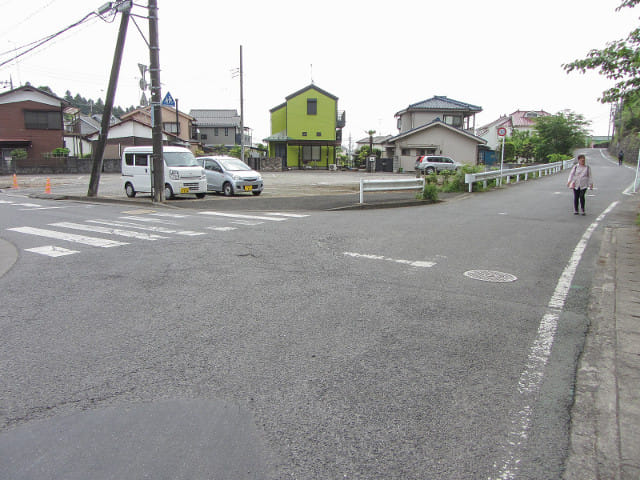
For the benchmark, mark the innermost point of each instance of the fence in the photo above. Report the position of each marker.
(382, 185)
(55, 165)
(547, 169)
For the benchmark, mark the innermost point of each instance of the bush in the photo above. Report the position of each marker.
(60, 152)
(558, 157)
(18, 154)
(430, 193)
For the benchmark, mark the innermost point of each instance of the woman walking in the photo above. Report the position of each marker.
(580, 179)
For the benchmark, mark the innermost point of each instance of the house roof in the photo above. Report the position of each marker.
(441, 103)
(435, 123)
(37, 91)
(147, 111)
(526, 118)
(376, 140)
(278, 137)
(309, 87)
(215, 117)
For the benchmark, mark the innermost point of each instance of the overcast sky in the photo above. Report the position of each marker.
(376, 57)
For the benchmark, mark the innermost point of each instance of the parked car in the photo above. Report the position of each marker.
(229, 175)
(434, 163)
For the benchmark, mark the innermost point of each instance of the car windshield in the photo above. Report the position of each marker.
(180, 159)
(234, 165)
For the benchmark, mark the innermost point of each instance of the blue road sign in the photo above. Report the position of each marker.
(168, 100)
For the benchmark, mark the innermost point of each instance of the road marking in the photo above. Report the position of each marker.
(532, 376)
(52, 251)
(290, 215)
(222, 229)
(148, 228)
(243, 217)
(172, 215)
(412, 263)
(69, 237)
(149, 220)
(108, 231)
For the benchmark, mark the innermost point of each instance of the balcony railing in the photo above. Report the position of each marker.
(341, 119)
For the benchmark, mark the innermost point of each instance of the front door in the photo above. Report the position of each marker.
(281, 151)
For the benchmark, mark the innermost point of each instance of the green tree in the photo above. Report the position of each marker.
(560, 133)
(618, 61)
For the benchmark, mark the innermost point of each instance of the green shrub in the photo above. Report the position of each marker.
(558, 157)
(430, 193)
(60, 152)
(18, 154)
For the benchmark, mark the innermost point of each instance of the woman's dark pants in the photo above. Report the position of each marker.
(578, 196)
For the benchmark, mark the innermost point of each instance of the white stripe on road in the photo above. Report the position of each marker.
(52, 251)
(149, 228)
(242, 217)
(412, 263)
(290, 215)
(69, 237)
(108, 231)
(533, 374)
(222, 229)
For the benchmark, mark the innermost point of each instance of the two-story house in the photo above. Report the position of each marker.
(30, 119)
(214, 127)
(437, 126)
(306, 129)
(174, 122)
(521, 120)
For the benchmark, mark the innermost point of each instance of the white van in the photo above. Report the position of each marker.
(182, 172)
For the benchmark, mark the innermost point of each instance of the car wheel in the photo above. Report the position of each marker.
(227, 189)
(129, 190)
(429, 170)
(257, 193)
(200, 195)
(168, 192)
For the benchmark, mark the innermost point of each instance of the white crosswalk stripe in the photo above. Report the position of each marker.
(69, 237)
(52, 251)
(108, 231)
(149, 228)
(239, 216)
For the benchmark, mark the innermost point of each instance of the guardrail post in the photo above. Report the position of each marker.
(361, 190)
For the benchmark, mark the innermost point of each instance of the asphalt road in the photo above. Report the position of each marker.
(297, 343)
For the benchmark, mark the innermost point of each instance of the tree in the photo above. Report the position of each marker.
(618, 61)
(560, 133)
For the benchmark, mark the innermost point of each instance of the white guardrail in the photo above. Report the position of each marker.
(547, 169)
(381, 185)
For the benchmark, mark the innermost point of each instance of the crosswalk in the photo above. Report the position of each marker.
(139, 226)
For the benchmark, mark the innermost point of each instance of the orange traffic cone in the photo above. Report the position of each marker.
(15, 181)
(47, 188)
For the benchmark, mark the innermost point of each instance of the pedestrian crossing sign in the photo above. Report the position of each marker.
(168, 100)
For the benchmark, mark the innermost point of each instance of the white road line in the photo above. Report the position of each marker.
(51, 251)
(222, 229)
(290, 215)
(149, 228)
(108, 231)
(412, 263)
(242, 217)
(171, 215)
(532, 376)
(69, 237)
(31, 205)
(149, 220)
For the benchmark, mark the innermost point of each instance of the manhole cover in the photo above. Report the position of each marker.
(490, 276)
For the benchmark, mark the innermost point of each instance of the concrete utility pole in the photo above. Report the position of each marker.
(241, 111)
(98, 152)
(157, 180)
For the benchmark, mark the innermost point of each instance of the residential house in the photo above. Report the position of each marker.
(177, 124)
(306, 129)
(377, 142)
(129, 133)
(218, 127)
(437, 126)
(30, 119)
(521, 120)
(77, 126)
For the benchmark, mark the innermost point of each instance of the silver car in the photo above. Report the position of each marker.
(436, 163)
(229, 175)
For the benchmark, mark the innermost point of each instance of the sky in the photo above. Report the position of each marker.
(376, 57)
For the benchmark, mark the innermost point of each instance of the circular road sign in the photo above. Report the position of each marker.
(502, 131)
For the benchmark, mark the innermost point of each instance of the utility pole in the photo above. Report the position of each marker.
(177, 121)
(241, 111)
(157, 180)
(98, 153)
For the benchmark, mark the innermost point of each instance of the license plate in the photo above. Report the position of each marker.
(184, 190)
(248, 188)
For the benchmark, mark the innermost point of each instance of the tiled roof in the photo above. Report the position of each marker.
(214, 118)
(434, 123)
(526, 118)
(440, 104)
(376, 140)
(309, 87)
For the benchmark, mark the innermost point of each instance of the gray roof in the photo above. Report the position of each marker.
(441, 104)
(212, 118)
(434, 123)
